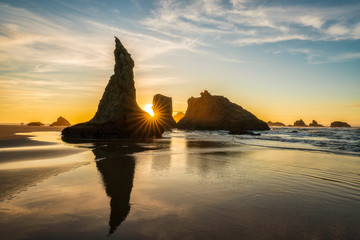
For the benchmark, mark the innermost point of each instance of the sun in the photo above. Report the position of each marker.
(148, 108)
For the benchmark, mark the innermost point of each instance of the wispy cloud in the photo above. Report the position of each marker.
(29, 39)
(46, 45)
(316, 56)
(345, 57)
(244, 23)
(42, 57)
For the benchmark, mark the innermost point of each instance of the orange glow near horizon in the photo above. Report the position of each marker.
(148, 108)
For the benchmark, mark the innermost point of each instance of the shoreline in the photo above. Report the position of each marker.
(10, 137)
(29, 155)
(8, 132)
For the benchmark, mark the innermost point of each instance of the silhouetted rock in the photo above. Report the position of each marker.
(315, 124)
(162, 107)
(339, 124)
(35, 124)
(118, 114)
(299, 123)
(210, 112)
(275, 124)
(61, 122)
(178, 116)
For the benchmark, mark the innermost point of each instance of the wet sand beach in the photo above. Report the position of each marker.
(188, 185)
(29, 155)
(9, 136)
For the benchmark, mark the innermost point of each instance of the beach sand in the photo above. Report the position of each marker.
(188, 186)
(10, 138)
(28, 157)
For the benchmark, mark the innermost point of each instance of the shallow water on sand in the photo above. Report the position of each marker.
(191, 186)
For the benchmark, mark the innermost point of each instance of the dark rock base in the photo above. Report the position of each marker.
(92, 131)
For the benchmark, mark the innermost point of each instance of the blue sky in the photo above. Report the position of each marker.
(281, 60)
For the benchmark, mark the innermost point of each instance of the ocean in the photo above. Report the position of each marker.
(332, 140)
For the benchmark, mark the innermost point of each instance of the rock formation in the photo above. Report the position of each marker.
(162, 107)
(178, 116)
(339, 124)
(210, 112)
(118, 114)
(61, 122)
(299, 123)
(315, 124)
(35, 124)
(275, 124)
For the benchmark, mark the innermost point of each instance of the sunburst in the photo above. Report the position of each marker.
(148, 108)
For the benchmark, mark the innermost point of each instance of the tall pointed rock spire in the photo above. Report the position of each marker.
(118, 114)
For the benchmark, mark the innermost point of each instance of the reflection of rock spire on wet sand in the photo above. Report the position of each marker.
(117, 170)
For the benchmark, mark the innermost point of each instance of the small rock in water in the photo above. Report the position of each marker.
(299, 123)
(339, 124)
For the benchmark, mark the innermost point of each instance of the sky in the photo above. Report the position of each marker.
(281, 60)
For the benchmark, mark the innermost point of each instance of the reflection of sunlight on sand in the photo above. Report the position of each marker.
(151, 167)
(178, 144)
(51, 162)
(29, 148)
(178, 150)
(46, 136)
(41, 156)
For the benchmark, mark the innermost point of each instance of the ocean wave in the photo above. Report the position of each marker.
(340, 141)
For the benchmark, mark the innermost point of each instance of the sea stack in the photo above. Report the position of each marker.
(162, 107)
(339, 124)
(315, 124)
(210, 112)
(299, 123)
(61, 122)
(118, 115)
(36, 124)
(275, 124)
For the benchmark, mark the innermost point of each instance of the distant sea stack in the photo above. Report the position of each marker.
(339, 124)
(210, 112)
(37, 124)
(299, 123)
(61, 122)
(315, 124)
(178, 116)
(275, 124)
(162, 107)
(118, 115)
